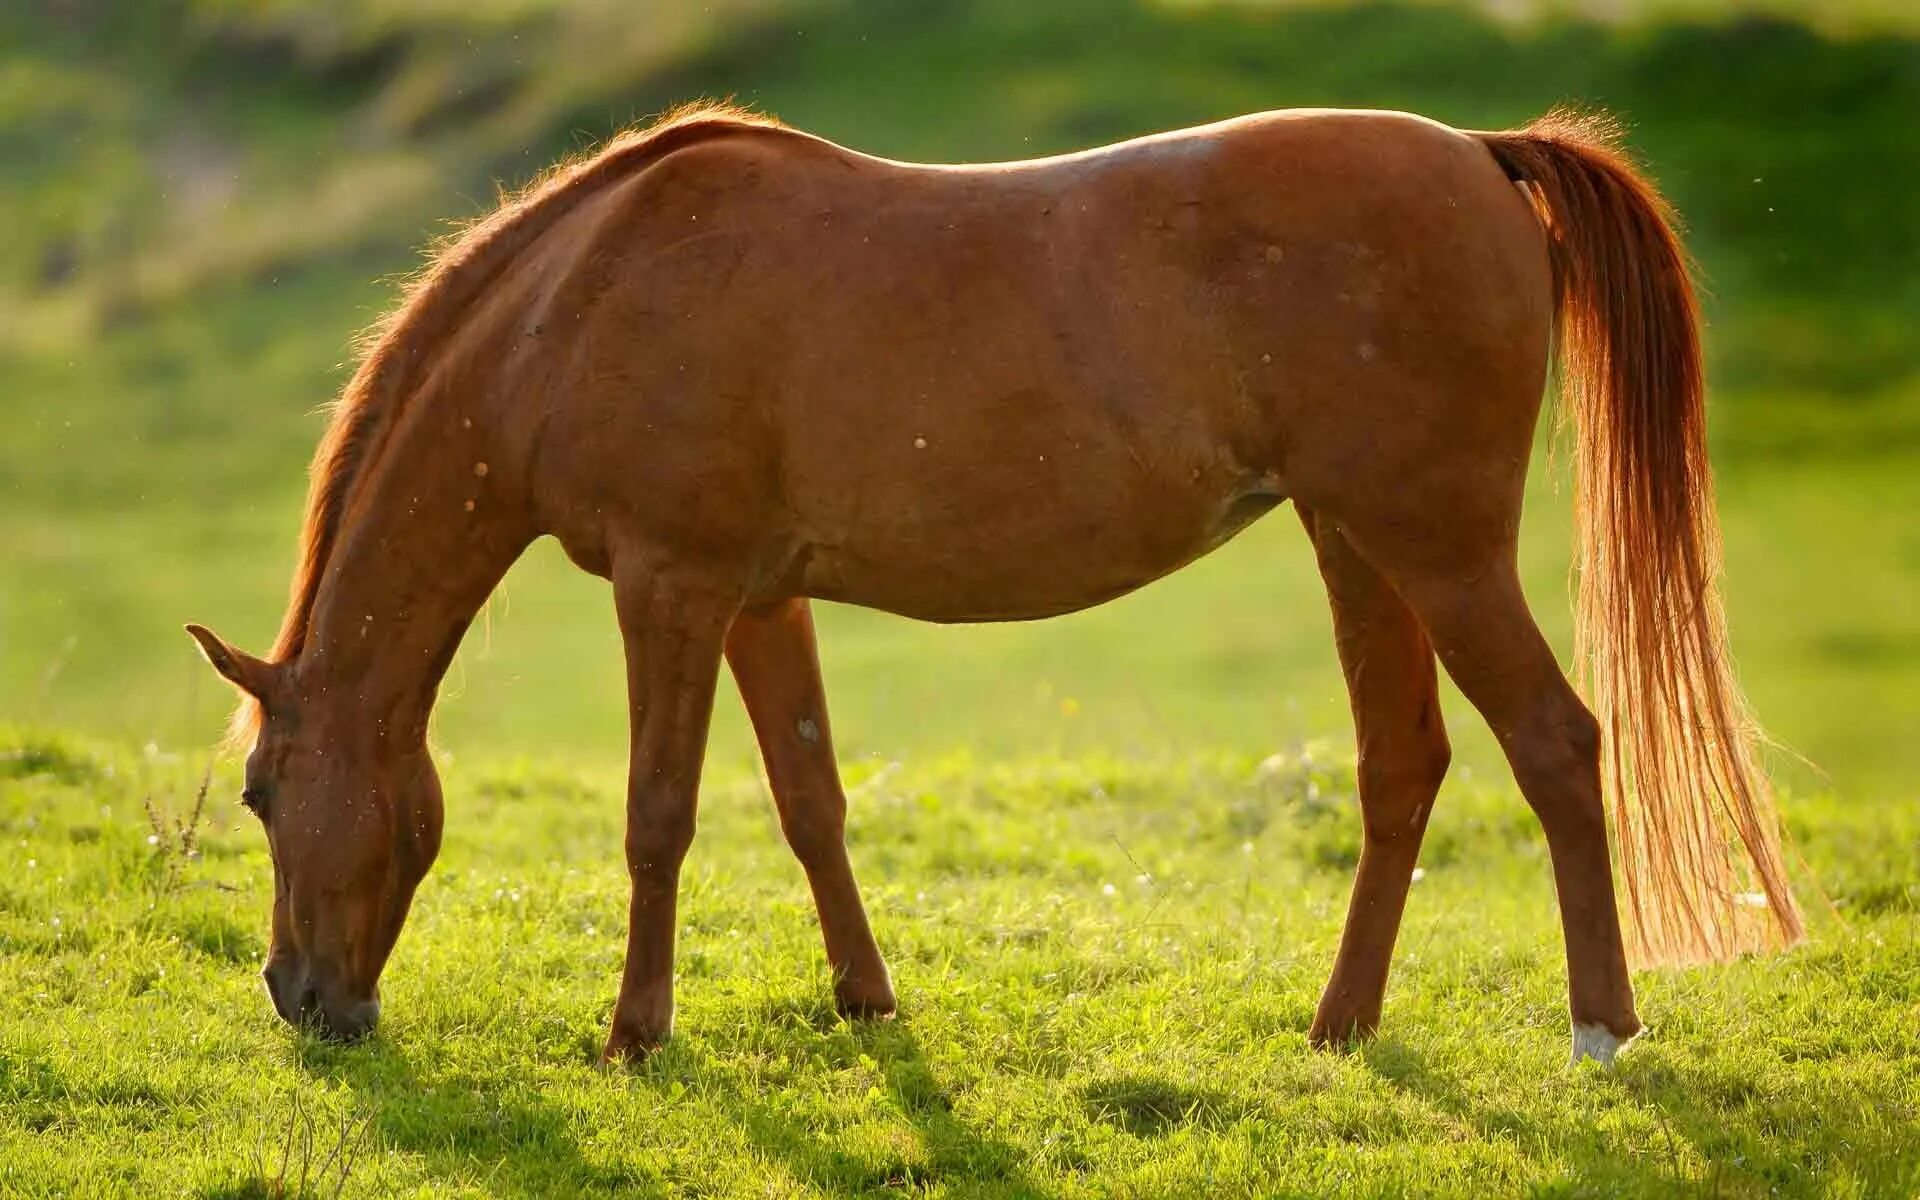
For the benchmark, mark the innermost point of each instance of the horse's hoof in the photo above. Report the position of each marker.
(1340, 1033)
(625, 1047)
(864, 1005)
(864, 995)
(627, 1054)
(1598, 1043)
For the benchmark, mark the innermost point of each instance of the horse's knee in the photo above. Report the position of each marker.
(659, 833)
(1398, 782)
(814, 831)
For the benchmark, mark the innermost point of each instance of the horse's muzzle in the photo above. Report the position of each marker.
(302, 1001)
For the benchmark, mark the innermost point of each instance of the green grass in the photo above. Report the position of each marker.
(1107, 968)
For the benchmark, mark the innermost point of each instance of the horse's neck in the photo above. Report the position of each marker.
(426, 537)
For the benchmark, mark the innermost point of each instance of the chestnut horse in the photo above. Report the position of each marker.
(732, 367)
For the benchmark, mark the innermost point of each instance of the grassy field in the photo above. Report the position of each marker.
(1107, 854)
(1106, 966)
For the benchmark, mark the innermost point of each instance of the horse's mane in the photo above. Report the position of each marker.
(458, 268)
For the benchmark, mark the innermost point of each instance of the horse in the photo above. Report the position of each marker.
(732, 368)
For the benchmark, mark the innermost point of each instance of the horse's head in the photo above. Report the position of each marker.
(353, 822)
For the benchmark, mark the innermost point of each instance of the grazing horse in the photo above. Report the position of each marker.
(732, 367)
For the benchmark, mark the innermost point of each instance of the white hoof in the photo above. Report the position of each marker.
(1597, 1043)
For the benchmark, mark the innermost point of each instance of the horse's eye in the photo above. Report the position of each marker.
(255, 798)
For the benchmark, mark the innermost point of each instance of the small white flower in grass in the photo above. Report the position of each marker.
(1246, 847)
(153, 839)
(1419, 873)
(56, 922)
(1143, 879)
(1107, 889)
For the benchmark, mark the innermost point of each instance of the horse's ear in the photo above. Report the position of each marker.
(251, 675)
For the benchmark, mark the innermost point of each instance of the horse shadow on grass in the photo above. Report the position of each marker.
(951, 1150)
(522, 1145)
(1717, 1133)
(1702, 1118)
(948, 1150)
(1148, 1107)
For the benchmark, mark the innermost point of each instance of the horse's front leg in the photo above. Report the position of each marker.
(674, 628)
(776, 664)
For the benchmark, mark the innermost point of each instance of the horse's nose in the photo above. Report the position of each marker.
(349, 1022)
(301, 999)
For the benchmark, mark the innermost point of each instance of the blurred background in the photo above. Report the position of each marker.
(201, 202)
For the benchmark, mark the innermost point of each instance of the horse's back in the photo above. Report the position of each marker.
(1018, 388)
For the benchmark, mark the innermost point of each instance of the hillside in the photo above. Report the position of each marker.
(204, 197)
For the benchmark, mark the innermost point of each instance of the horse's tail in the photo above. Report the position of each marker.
(1698, 838)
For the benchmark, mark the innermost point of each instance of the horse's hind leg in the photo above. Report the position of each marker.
(673, 627)
(774, 660)
(1477, 616)
(1403, 756)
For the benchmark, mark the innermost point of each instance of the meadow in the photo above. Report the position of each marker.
(1106, 968)
(210, 205)
(1106, 854)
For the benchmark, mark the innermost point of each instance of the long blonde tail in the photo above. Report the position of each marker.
(1694, 821)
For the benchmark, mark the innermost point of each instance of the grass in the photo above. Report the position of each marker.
(1107, 968)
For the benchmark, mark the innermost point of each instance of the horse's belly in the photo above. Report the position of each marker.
(1040, 564)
